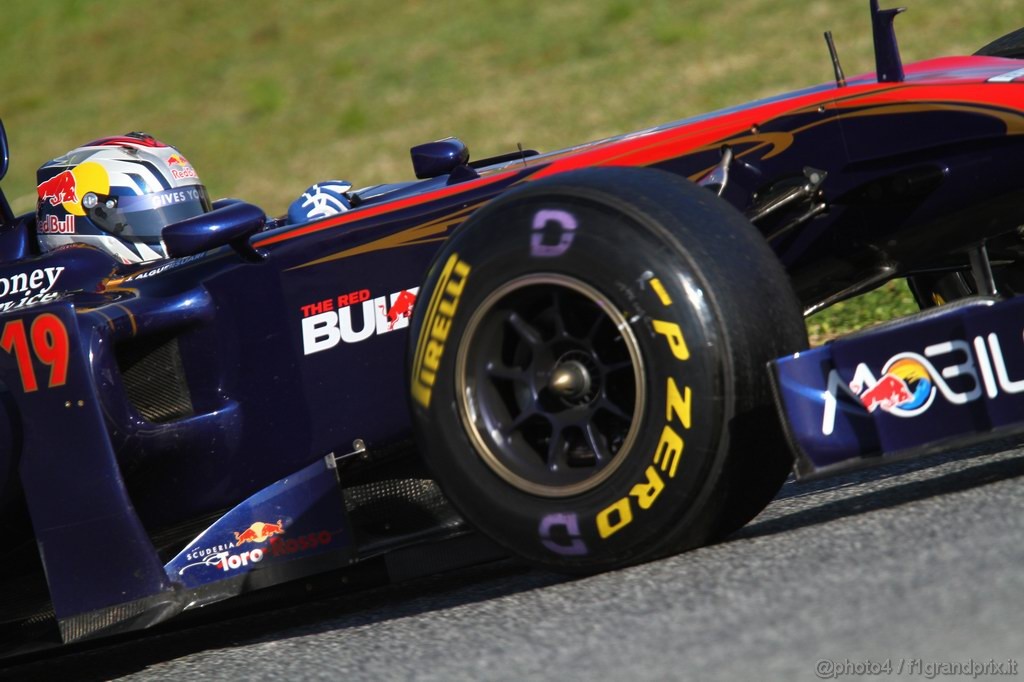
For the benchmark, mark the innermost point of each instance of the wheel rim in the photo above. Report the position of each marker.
(550, 384)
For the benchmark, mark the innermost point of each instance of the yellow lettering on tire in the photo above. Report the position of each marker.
(674, 335)
(659, 290)
(670, 447)
(647, 493)
(678, 403)
(614, 518)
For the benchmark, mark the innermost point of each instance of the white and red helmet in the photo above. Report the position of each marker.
(117, 194)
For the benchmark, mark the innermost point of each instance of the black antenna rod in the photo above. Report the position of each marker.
(836, 66)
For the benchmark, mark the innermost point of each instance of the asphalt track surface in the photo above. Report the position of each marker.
(906, 567)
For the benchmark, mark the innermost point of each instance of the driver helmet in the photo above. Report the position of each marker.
(117, 194)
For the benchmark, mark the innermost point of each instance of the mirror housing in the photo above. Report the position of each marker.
(6, 214)
(232, 223)
(440, 157)
(4, 156)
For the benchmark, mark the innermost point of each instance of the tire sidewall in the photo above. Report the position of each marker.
(618, 252)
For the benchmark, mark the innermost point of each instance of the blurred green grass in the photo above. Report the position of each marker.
(267, 96)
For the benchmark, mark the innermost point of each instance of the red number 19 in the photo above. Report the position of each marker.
(50, 344)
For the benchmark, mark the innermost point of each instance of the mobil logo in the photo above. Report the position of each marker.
(358, 322)
(958, 371)
(906, 387)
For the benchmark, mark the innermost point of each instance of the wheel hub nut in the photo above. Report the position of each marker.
(570, 380)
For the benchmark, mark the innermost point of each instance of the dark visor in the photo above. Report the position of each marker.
(143, 218)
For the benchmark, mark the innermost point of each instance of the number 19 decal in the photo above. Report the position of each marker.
(49, 344)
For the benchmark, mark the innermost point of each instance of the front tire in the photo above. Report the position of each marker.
(589, 382)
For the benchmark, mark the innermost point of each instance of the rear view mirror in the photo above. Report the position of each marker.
(440, 157)
(232, 223)
(6, 215)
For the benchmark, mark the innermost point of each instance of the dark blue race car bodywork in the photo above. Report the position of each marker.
(177, 432)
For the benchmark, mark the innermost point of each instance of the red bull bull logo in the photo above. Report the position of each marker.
(59, 189)
(890, 392)
(180, 168)
(401, 308)
(259, 532)
(906, 387)
(68, 187)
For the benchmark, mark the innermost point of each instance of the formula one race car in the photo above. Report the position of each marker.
(581, 356)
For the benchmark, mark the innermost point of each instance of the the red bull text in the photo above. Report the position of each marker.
(358, 319)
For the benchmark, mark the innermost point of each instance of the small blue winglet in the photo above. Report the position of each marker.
(888, 64)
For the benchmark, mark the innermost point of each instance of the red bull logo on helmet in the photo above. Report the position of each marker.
(67, 188)
(58, 189)
(180, 168)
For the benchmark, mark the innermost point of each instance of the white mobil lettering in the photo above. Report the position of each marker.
(957, 370)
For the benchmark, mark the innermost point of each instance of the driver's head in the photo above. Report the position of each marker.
(117, 194)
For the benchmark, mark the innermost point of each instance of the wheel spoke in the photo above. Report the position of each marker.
(556, 313)
(523, 417)
(526, 331)
(557, 459)
(597, 442)
(616, 366)
(608, 406)
(499, 371)
(595, 327)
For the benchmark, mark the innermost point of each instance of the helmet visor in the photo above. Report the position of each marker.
(143, 218)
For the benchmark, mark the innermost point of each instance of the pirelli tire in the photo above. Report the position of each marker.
(588, 368)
